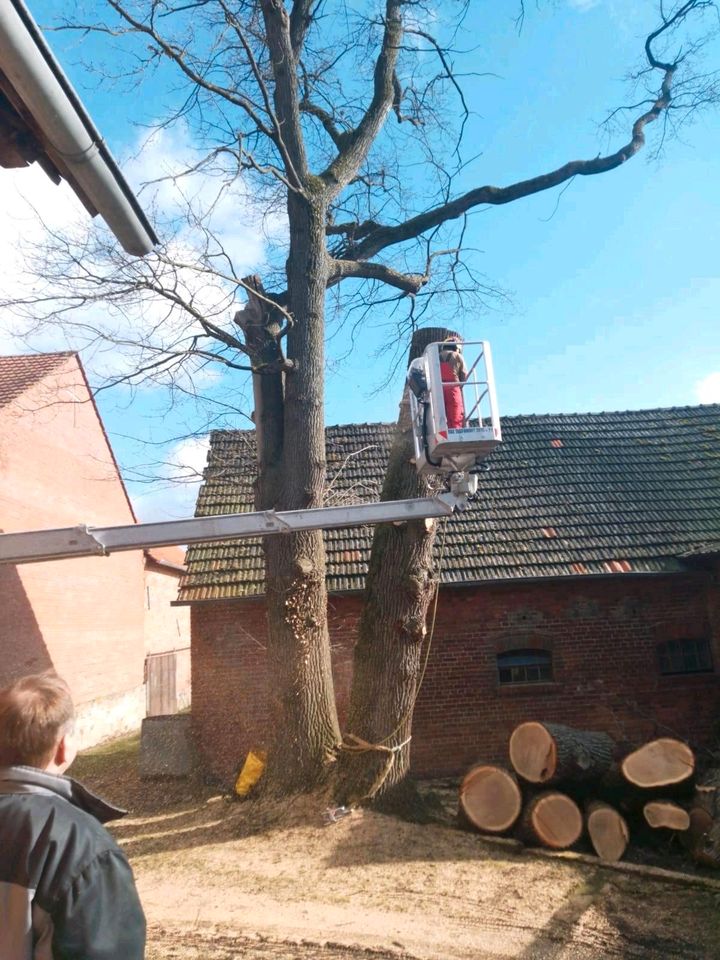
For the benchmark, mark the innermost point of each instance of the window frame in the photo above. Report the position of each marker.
(675, 657)
(519, 674)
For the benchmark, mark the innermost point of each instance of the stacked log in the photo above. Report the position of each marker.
(567, 783)
(490, 799)
(607, 830)
(702, 839)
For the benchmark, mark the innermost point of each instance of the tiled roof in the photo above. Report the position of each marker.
(19, 373)
(566, 495)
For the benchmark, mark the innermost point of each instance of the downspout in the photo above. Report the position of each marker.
(49, 97)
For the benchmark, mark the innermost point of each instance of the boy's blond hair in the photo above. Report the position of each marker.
(35, 713)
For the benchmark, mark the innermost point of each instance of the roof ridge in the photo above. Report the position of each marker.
(40, 353)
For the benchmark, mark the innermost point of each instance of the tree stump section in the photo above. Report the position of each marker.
(546, 753)
(608, 831)
(659, 763)
(664, 814)
(552, 820)
(490, 799)
(702, 837)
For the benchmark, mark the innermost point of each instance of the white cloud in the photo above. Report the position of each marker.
(31, 206)
(707, 390)
(175, 497)
(582, 4)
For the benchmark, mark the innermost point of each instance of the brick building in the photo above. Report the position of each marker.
(581, 587)
(92, 619)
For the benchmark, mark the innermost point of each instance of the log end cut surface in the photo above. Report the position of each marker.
(555, 820)
(608, 832)
(659, 763)
(533, 753)
(490, 799)
(663, 813)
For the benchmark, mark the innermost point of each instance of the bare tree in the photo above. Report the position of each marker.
(320, 110)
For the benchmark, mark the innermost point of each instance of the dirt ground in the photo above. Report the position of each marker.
(223, 880)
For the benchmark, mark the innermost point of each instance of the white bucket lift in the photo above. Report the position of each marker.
(438, 447)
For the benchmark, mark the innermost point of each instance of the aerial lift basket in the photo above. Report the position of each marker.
(440, 448)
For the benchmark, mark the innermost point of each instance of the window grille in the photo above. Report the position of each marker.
(685, 656)
(525, 666)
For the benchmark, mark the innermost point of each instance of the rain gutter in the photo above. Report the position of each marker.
(47, 94)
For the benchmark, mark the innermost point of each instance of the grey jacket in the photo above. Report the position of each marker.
(66, 889)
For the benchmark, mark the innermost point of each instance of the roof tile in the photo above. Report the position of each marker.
(19, 373)
(633, 492)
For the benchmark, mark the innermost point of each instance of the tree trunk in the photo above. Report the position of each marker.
(390, 649)
(261, 326)
(607, 829)
(546, 753)
(552, 820)
(490, 799)
(304, 718)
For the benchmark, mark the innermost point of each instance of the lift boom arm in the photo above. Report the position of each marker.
(81, 541)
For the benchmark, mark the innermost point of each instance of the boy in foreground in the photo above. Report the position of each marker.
(66, 889)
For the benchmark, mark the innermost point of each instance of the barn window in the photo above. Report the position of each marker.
(525, 666)
(685, 656)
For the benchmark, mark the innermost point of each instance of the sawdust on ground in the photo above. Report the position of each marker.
(223, 880)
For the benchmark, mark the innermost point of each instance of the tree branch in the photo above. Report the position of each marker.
(283, 60)
(358, 141)
(301, 17)
(172, 53)
(410, 283)
(385, 236)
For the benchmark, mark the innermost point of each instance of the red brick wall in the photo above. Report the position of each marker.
(602, 633)
(84, 617)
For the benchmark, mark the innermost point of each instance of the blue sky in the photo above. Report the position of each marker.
(614, 285)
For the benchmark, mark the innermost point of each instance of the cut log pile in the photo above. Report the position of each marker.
(568, 784)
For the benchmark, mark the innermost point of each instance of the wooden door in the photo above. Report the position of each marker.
(160, 684)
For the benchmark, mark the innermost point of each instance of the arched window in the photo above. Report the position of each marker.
(685, 656)
(525, 666)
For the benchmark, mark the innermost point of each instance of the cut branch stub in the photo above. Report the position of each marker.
(659, 763)
(551, 819)
(665, 814)
(490, 799)
(607, 829)
(549, 752)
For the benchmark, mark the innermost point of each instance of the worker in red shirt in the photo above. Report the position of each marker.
(453, 370)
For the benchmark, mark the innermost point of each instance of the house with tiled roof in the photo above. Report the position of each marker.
(97, 621)
(580, 587)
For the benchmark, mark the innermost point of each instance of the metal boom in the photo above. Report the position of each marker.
(82, 541)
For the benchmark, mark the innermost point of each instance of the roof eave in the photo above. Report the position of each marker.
(40, 83)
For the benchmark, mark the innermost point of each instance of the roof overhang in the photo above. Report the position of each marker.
(42, 120)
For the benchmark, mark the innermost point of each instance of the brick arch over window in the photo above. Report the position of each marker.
(522, 639)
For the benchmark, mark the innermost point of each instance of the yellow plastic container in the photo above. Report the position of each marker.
(252, 770)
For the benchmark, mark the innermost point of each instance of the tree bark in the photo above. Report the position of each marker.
(304, 718)
(702, 838)
(388, 656)
(546, 753)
